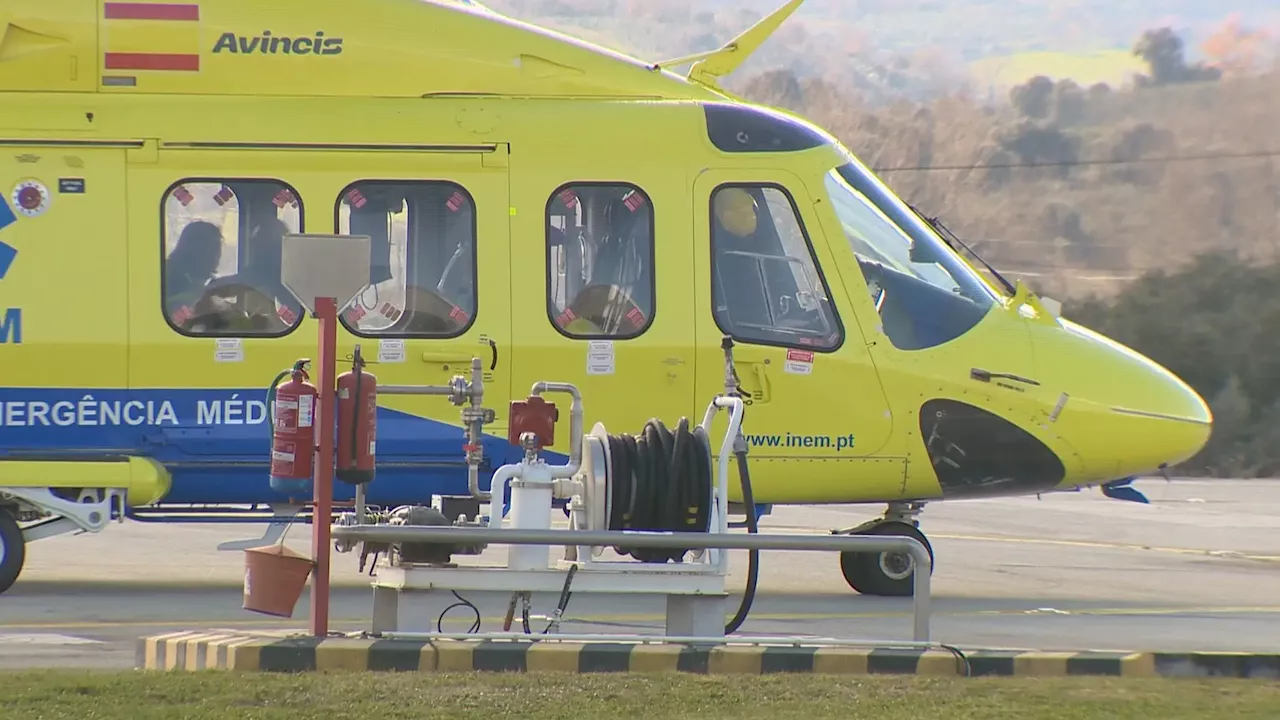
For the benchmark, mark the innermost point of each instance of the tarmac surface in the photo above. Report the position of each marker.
(1196, 570)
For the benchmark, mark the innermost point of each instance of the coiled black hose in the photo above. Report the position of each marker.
(660, 481)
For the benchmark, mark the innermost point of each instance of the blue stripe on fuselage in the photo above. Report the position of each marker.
(216, 443)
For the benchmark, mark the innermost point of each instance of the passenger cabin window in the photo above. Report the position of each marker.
(766, 285)
(422, 265)
(221, 270)
(925, 293)
(600, 261)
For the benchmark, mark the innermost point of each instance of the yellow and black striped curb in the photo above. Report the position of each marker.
(193, 651)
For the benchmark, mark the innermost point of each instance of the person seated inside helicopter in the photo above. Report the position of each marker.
(188, 269)
(613, 300)
(760, 290)
(255, 297)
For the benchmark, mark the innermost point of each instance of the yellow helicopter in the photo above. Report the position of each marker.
(560, 210)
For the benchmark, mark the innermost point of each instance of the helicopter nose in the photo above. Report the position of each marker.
(1168, 425)
(1131, 416)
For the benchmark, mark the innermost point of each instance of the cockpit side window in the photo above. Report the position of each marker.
(222, 242)
(766, 287)
(600, 261)
(422, 265)
(925, 293)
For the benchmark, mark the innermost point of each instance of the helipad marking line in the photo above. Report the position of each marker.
(45, 639)
(796, 530)
(609, 619)
(1109, 545)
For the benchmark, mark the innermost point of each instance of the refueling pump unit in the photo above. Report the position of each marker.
(660, 480)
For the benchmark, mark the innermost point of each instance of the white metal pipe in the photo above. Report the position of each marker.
(614, 538)
(735, 407)
(473, 483)
(498, 488)
(415, 390)
(576, 426)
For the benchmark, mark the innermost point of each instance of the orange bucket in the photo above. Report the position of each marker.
(274, 577)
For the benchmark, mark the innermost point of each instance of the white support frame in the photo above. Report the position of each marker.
(89, 513)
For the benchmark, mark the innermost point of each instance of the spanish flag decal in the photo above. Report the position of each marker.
(152, 36)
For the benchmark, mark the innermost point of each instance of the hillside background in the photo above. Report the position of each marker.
(1119, 155)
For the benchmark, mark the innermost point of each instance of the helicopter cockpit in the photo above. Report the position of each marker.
(599, 237)
(924, 292)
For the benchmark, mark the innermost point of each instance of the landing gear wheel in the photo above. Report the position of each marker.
(888, 574)
(13, 550)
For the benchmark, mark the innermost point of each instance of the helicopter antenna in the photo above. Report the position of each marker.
(708, 67)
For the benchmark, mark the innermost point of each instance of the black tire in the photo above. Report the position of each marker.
(13, 550)
(866, 572)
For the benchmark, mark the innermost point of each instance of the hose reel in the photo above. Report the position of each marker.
(659, 480)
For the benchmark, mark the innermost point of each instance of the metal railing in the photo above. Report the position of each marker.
(718, 541)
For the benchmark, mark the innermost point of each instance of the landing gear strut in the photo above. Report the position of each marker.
(888, 574)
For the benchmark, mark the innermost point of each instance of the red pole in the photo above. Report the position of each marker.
(327, 313)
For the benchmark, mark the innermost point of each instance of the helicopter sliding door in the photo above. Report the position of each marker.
(437, 298)
(764, 277)
(212, 324)
(209, 323)
(601, 289)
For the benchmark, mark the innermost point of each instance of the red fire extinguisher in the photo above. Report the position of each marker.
(293, 432)
(357, 423)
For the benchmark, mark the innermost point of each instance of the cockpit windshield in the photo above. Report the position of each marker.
(883, 229)
(472, 4)
(925, 293)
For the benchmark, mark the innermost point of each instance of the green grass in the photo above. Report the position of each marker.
(88, 695)
(1108, 66)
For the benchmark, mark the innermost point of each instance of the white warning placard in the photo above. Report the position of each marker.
(391, 351)
(228, 350)
(600, 357)
(799, 362)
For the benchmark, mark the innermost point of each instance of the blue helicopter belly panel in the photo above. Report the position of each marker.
(216, 443)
